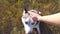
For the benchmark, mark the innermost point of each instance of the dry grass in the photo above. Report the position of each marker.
(11, 11)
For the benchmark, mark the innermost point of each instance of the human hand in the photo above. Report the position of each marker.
(35, 16)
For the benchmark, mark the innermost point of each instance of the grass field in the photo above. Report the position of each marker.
(11, 12)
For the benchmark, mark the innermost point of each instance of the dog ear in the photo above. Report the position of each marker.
(40, 13)
(26, 11)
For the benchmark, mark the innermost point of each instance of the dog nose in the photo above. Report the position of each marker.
(26, 22)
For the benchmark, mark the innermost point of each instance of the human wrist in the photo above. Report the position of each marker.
(41, 18)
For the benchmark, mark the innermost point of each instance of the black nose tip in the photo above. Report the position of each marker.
(26, 22)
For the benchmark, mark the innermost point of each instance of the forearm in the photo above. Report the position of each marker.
(52, 19)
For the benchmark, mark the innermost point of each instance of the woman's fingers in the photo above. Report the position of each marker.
(34, 16)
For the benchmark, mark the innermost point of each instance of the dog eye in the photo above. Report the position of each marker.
(26, 22)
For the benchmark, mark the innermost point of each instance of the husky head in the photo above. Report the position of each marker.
(27, 20)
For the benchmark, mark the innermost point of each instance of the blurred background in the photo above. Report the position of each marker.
(11, 12)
